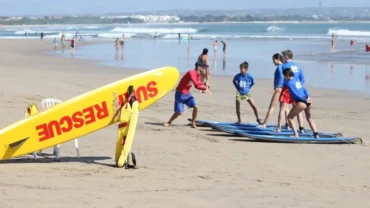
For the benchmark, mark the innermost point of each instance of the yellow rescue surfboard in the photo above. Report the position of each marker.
(84, 114)
(126, 132)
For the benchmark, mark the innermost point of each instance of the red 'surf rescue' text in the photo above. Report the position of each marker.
(90, 114)
(146, 92)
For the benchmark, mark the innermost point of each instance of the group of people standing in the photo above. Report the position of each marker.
(288, 86)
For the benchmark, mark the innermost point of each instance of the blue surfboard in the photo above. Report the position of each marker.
(269, 131)
(272, 133)
(207, 123)
(302, 139)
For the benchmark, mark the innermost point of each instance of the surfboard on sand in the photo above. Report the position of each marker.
(84, 114)
(302, 139)
(126, 131)
(207, 123)
(269, 131)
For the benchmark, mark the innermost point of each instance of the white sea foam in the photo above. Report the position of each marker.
(345, 32)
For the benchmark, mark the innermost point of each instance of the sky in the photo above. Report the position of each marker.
(49, 7)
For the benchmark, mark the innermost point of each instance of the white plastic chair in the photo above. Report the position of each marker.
(48, 103)
(25, 116)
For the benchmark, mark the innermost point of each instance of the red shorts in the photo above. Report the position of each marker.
(285, 96)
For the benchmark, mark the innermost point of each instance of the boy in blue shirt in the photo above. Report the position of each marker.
(285, 97)
(243, 83)
(302, 100)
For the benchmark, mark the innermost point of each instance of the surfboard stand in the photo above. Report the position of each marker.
(128, 116)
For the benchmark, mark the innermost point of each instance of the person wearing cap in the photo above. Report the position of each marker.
(183, 95)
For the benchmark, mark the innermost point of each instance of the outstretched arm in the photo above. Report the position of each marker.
(197, 84)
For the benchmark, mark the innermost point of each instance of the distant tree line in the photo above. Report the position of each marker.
(253, 18)
(70, 20)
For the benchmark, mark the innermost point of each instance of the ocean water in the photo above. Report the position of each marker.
(360, 31)
(345, 68)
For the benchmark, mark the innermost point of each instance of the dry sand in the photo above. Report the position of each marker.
(178, 166)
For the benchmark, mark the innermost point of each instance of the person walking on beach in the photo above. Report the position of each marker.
(42, 35)
(203, 58)
(277, 60)
(183, 95)
(26, 34)
(243, 83)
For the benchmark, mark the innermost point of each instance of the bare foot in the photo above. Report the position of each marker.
(166, 125)
(277, 130)
(259, 121)
(193, 126)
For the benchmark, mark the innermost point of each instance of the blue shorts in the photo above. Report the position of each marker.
(181, 99)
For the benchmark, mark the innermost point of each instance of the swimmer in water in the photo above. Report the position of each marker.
(302, 99)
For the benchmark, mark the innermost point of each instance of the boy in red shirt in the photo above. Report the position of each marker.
(183, 94)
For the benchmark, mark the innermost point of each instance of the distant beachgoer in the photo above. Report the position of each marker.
(203, 58)
(302, 99)
(55, 43)
(332, 41)
(42, 35)
(243, 83)
(155, 35)
(183, 95)
(73, 45)
(76, 35)
(26, 34)
(189, 37)
(179, 36)
(224, 46)
(62, 42)
(215, 46)
(81, 38)
(117, 44)
(122, 43)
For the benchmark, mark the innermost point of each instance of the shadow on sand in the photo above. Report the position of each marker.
(45, 159)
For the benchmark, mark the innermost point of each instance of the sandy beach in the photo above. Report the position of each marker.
(178, 166)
